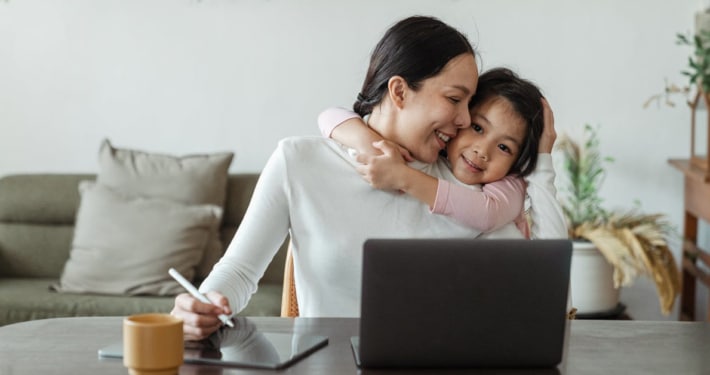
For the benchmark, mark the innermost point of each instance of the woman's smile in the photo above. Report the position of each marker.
(442, 139)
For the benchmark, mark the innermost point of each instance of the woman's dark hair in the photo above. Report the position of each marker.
(525, 98)
(414, 48)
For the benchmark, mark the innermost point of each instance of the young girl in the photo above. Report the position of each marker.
(495, 153)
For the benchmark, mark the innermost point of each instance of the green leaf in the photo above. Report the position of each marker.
(692, 63)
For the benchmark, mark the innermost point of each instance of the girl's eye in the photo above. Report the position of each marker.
(477, 128)
(505, 148)
(454, 100)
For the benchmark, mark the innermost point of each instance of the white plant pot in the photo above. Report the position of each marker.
(591, 280)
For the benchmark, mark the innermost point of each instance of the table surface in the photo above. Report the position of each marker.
(70, 346)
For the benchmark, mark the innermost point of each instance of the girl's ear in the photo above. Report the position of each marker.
(397, 88)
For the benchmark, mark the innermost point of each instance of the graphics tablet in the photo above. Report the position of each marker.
(243, 346)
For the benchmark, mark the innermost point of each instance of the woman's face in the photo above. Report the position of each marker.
(487, 150)
(433, 114)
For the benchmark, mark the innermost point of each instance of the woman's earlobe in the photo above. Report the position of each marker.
(397, 89)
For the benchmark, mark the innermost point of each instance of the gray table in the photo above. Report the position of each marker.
(69, 346)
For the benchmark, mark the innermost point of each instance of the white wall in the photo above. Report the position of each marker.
(184, 76)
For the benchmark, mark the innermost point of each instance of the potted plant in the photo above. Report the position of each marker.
(629, 242)
(698, 68)
(698, 72)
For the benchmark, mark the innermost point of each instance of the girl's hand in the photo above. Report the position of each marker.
(376, 151)
(384, 171)
(406, 155)
(547, 140)
(200, 319)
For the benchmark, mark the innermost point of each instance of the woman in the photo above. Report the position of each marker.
(421, 78)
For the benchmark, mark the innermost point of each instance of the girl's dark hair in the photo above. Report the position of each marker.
(414, 48)
(525, 98)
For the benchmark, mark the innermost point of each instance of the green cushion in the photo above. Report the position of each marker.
(34, 250)
(40, 198)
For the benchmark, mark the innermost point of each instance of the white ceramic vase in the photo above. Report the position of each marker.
(591, 280)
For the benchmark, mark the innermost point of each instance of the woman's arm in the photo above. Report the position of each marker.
(548, 219)
(259, 236)
(234, 278)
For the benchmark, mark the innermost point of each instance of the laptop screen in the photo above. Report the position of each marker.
(463, 302)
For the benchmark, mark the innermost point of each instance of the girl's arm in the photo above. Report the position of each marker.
(349, 129)
(499, 202)
(388, 171)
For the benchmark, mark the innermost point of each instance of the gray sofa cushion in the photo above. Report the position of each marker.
(37, 213)
(188, 179)
(125, 245)
(24, 299)
(34, 250)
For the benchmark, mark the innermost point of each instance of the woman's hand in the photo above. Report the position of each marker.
(200, 319)
(385, 171)
(547, 140)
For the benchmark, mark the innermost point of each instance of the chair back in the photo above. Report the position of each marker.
(289, 302)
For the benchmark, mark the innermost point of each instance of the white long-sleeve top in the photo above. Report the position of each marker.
(548, 221)
(310, 187)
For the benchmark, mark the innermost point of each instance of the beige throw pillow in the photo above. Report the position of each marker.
(190, 179)
(125, 245)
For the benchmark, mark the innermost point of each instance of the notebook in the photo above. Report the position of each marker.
(463, 303)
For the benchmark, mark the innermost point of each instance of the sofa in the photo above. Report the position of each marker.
(37, 217)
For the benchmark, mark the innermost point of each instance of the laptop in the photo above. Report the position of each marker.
(463, 303)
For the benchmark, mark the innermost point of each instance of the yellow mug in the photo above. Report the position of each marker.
(152, 344)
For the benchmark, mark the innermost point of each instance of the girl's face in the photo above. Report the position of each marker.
(487, 150)
(430, 116)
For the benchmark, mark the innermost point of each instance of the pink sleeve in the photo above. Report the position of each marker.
(499, 203)
(332, 117)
